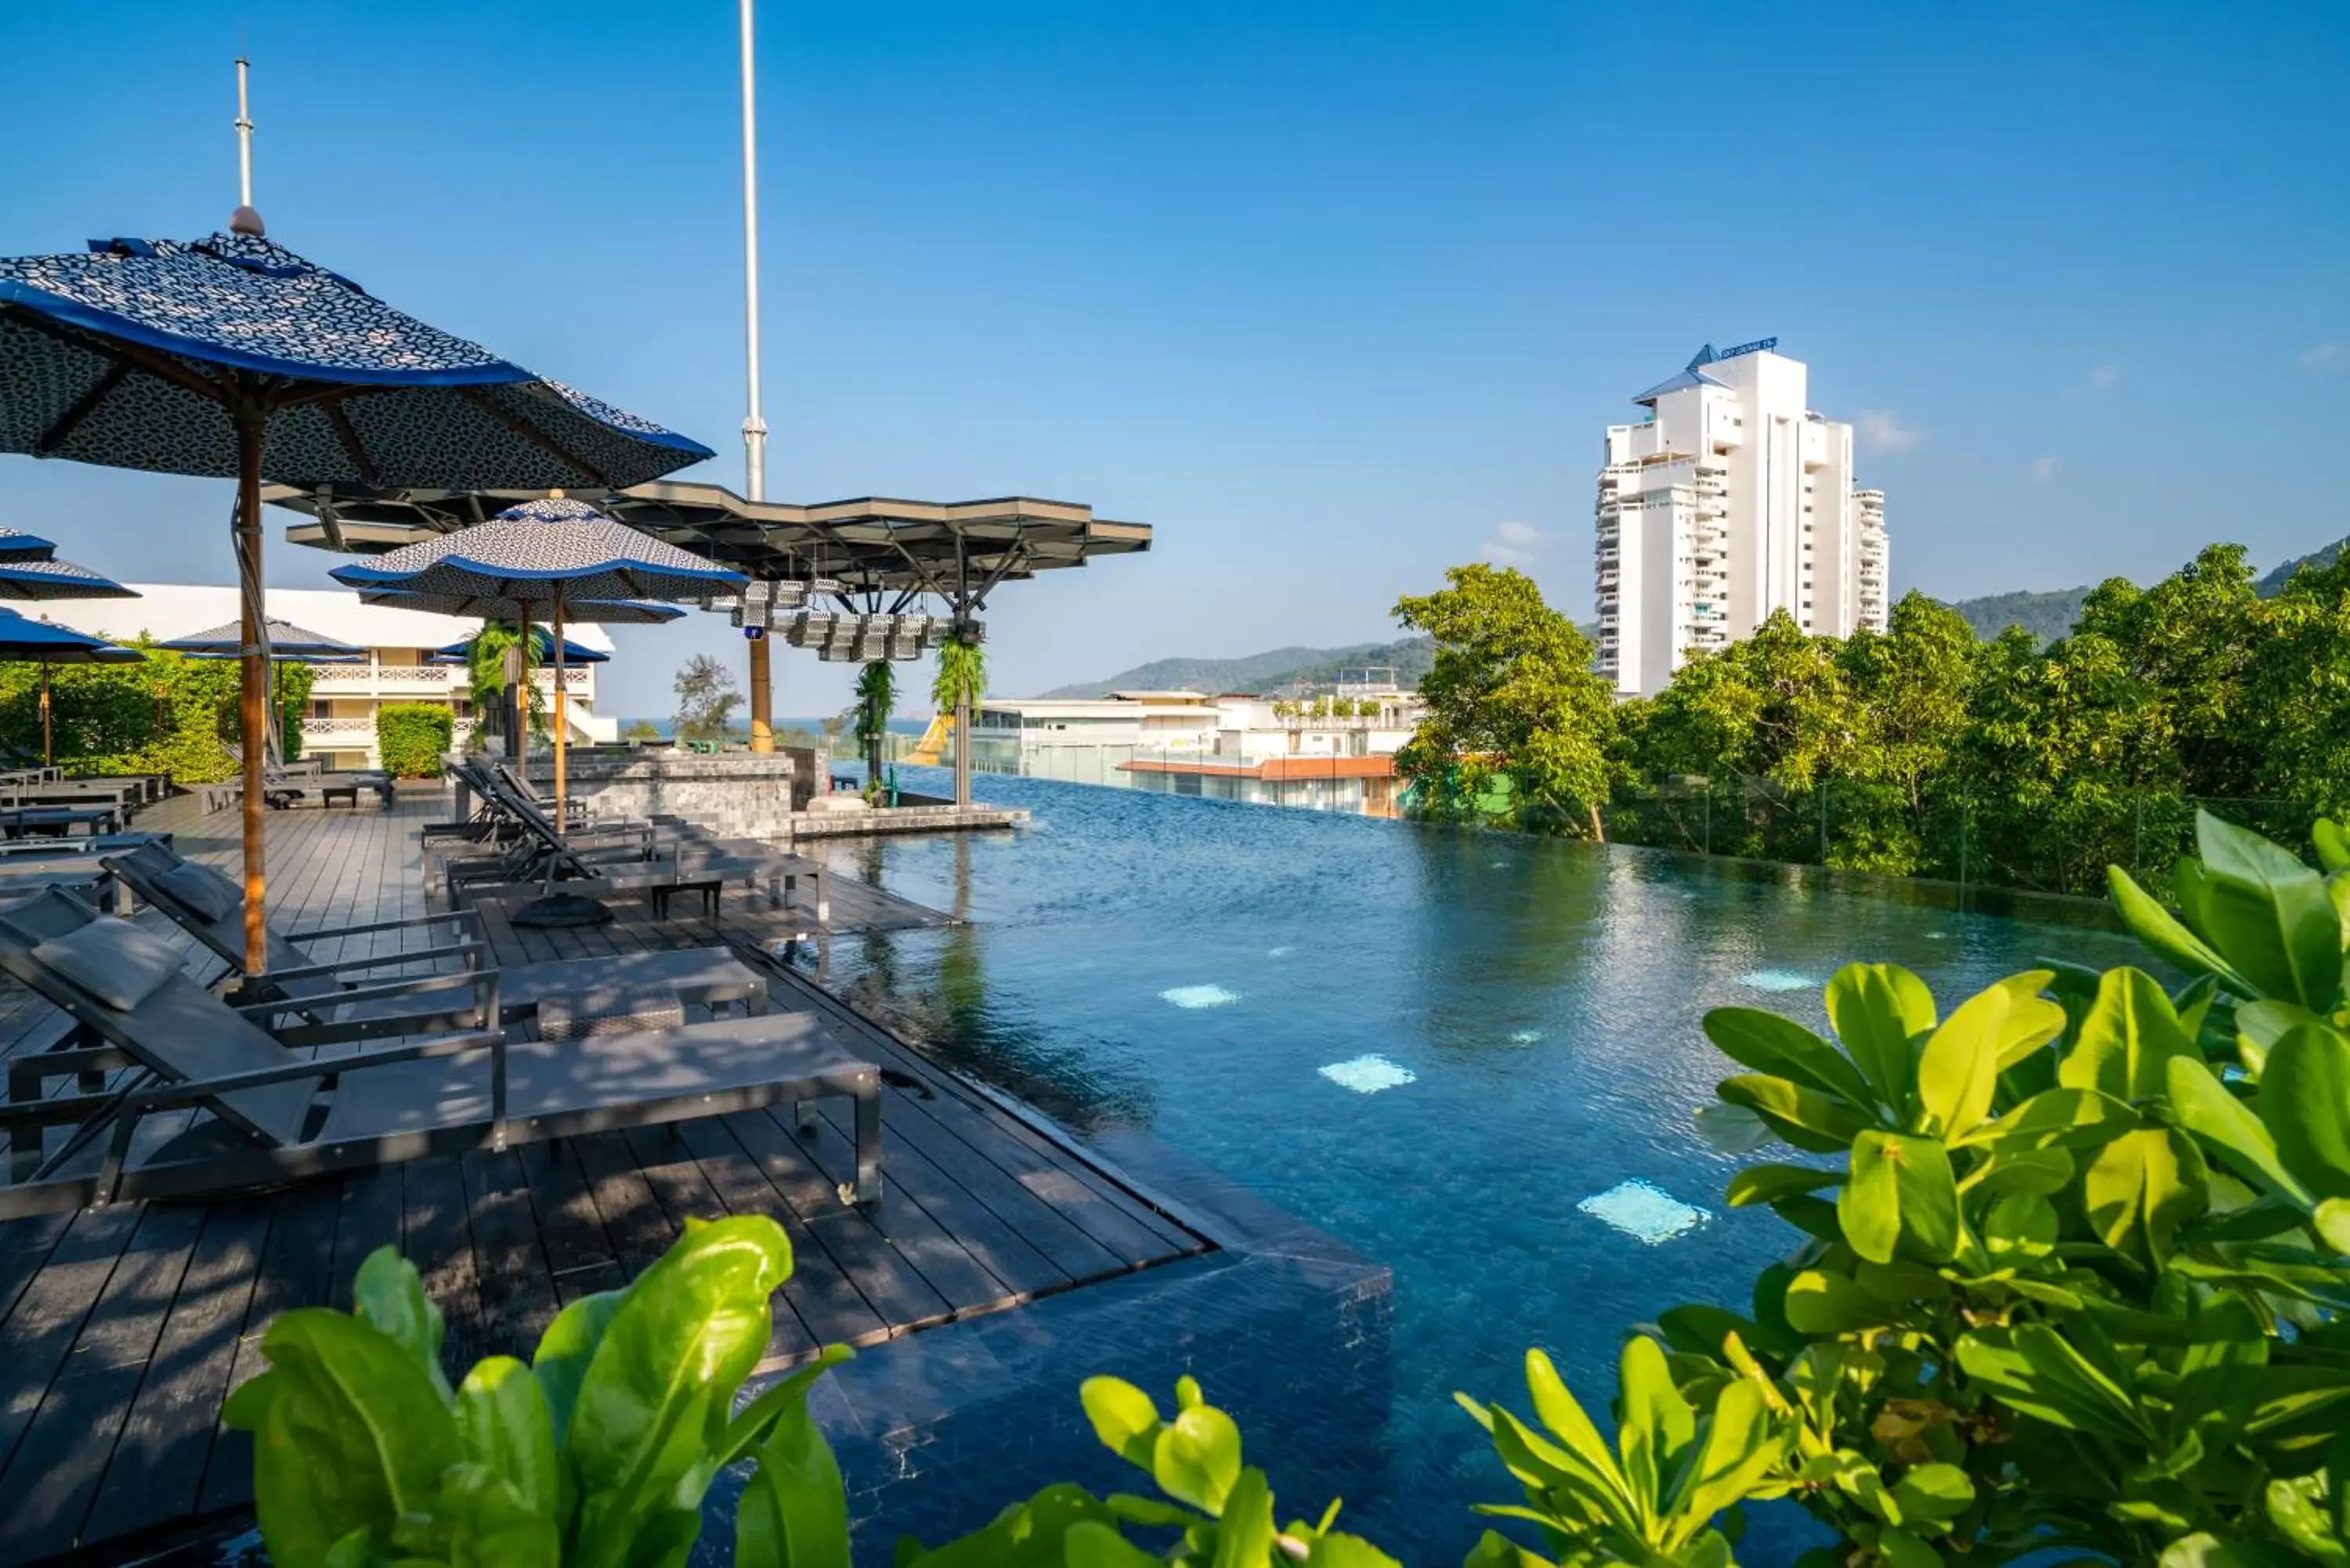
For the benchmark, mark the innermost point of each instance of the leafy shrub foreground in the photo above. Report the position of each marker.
(2075, 1266)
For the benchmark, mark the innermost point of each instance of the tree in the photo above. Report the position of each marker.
(706, 698)
(485, 669)
(640, 730)
(960, 682)
(1512, 697)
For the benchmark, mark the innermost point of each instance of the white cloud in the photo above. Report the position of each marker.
(1881, 432)
(2324, 356)
(2043, 469)
(1513, 544)
(2103, 378)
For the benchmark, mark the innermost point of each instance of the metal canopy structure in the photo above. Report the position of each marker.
(887, 550)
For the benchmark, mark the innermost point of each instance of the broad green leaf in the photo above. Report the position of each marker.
(1091, 1546)
(388, 1294)
(2159, 929)
(563, 1351)
(1740, 1454)
(1563, 1416)
(2054, 1119)
(2260, 1024)
(479, 1520)
(2333, 845)
(1901, 1191)
(2206, 1108)
(1495, 1549)
(1196, 1457)
(2034, 1369)
(1932, 1493)
(1658, 1423)
(2043, 1170)
(2019, 1227)
(1900, 1549)
(1959, 1071)
(2205, 1550)
(504, 1425)
(1733, 1129)
(1785, 1049)
(1878, 1009)
(794, 1514)
(1341, 1551)
(2131, 1032)
(2148, 1183)
(2304, 1515)
(2331, 1222)
(1124, 1418)
(2270, 914)
(749, 1427)
(352, 1436)
(1805, 1118)
(1827, 1304)
(1699, 1329)
(654, 1403)
(1244, 1536)
(1769, 1183)
(2305, 1103)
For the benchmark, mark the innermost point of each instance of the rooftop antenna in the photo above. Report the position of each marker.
(245, 220)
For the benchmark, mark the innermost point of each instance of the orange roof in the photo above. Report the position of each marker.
(1274, 769)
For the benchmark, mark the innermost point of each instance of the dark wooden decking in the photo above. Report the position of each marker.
(122, 1330)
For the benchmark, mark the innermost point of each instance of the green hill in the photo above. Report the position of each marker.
(2273, 583)
(1257, 671)
(2046, 615)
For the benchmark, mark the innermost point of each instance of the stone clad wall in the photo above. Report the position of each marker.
(733, 793)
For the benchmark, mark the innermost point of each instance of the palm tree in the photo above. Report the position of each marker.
(961, 682)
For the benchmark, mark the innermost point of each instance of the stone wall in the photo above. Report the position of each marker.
(747, 794)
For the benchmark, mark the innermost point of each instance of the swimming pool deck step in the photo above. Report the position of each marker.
(122, 1331)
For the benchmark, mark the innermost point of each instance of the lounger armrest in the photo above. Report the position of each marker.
(467, 917)
(482, 983)
(468, 950)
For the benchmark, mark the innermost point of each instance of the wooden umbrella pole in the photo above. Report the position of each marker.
(49, 751)
(562, 714)
(250, 427)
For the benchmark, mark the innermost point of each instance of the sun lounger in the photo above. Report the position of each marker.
(221, 1104)
(707, 977)
(58, 821)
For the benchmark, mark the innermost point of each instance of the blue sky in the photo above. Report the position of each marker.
(1335, 296)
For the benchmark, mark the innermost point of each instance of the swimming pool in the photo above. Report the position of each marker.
(1472, 1056)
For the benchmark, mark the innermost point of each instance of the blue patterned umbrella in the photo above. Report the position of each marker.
(15, 544)
(286, 641)
(573, 653)
(57, 580)
(24, 641)
(232, 355)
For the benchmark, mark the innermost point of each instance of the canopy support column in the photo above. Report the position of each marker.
(762, 721)
(562, 717)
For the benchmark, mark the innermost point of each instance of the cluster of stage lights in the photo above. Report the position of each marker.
(783, 609)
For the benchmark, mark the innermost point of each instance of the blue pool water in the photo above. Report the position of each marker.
(1472, 1056)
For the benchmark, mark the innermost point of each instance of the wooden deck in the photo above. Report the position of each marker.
(121, 1331)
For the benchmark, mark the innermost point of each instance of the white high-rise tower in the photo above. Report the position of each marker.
(1732, 500)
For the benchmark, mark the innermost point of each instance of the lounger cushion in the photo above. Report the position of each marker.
(112, 959)
(201, 889)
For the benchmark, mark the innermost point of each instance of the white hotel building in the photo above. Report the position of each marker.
(1731, 500)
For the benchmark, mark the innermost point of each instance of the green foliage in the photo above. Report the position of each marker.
(170, 715)
(412, 738)
(706, 698)
(596, 1455)
(962, 675)
(640, 730)
(1512, 696)
(1212, 1509)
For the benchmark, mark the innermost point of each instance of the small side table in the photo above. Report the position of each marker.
(622, 1007)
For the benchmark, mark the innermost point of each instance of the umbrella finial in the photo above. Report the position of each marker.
(245, 220)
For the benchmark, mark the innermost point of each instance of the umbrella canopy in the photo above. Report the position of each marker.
(542, 552)
(286, 640)
(232, 355)
(24, 641)
(15, 544)
(488, 607)
(56, 580)
(573, 653)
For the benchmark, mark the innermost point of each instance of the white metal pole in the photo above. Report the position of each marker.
(244, 135)
(755, 428)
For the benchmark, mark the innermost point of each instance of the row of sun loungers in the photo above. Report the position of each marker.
(326, 1065)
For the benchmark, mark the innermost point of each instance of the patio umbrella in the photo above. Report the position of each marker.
(45, 580)
(547, 553)
(24, 641)
(492, 606)
(287, 644)
(573, 653)
(15, 544)
(233, 356)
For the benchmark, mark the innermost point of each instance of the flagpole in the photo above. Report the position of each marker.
(754, 426)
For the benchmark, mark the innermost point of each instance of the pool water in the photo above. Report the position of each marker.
(1472, 1056)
